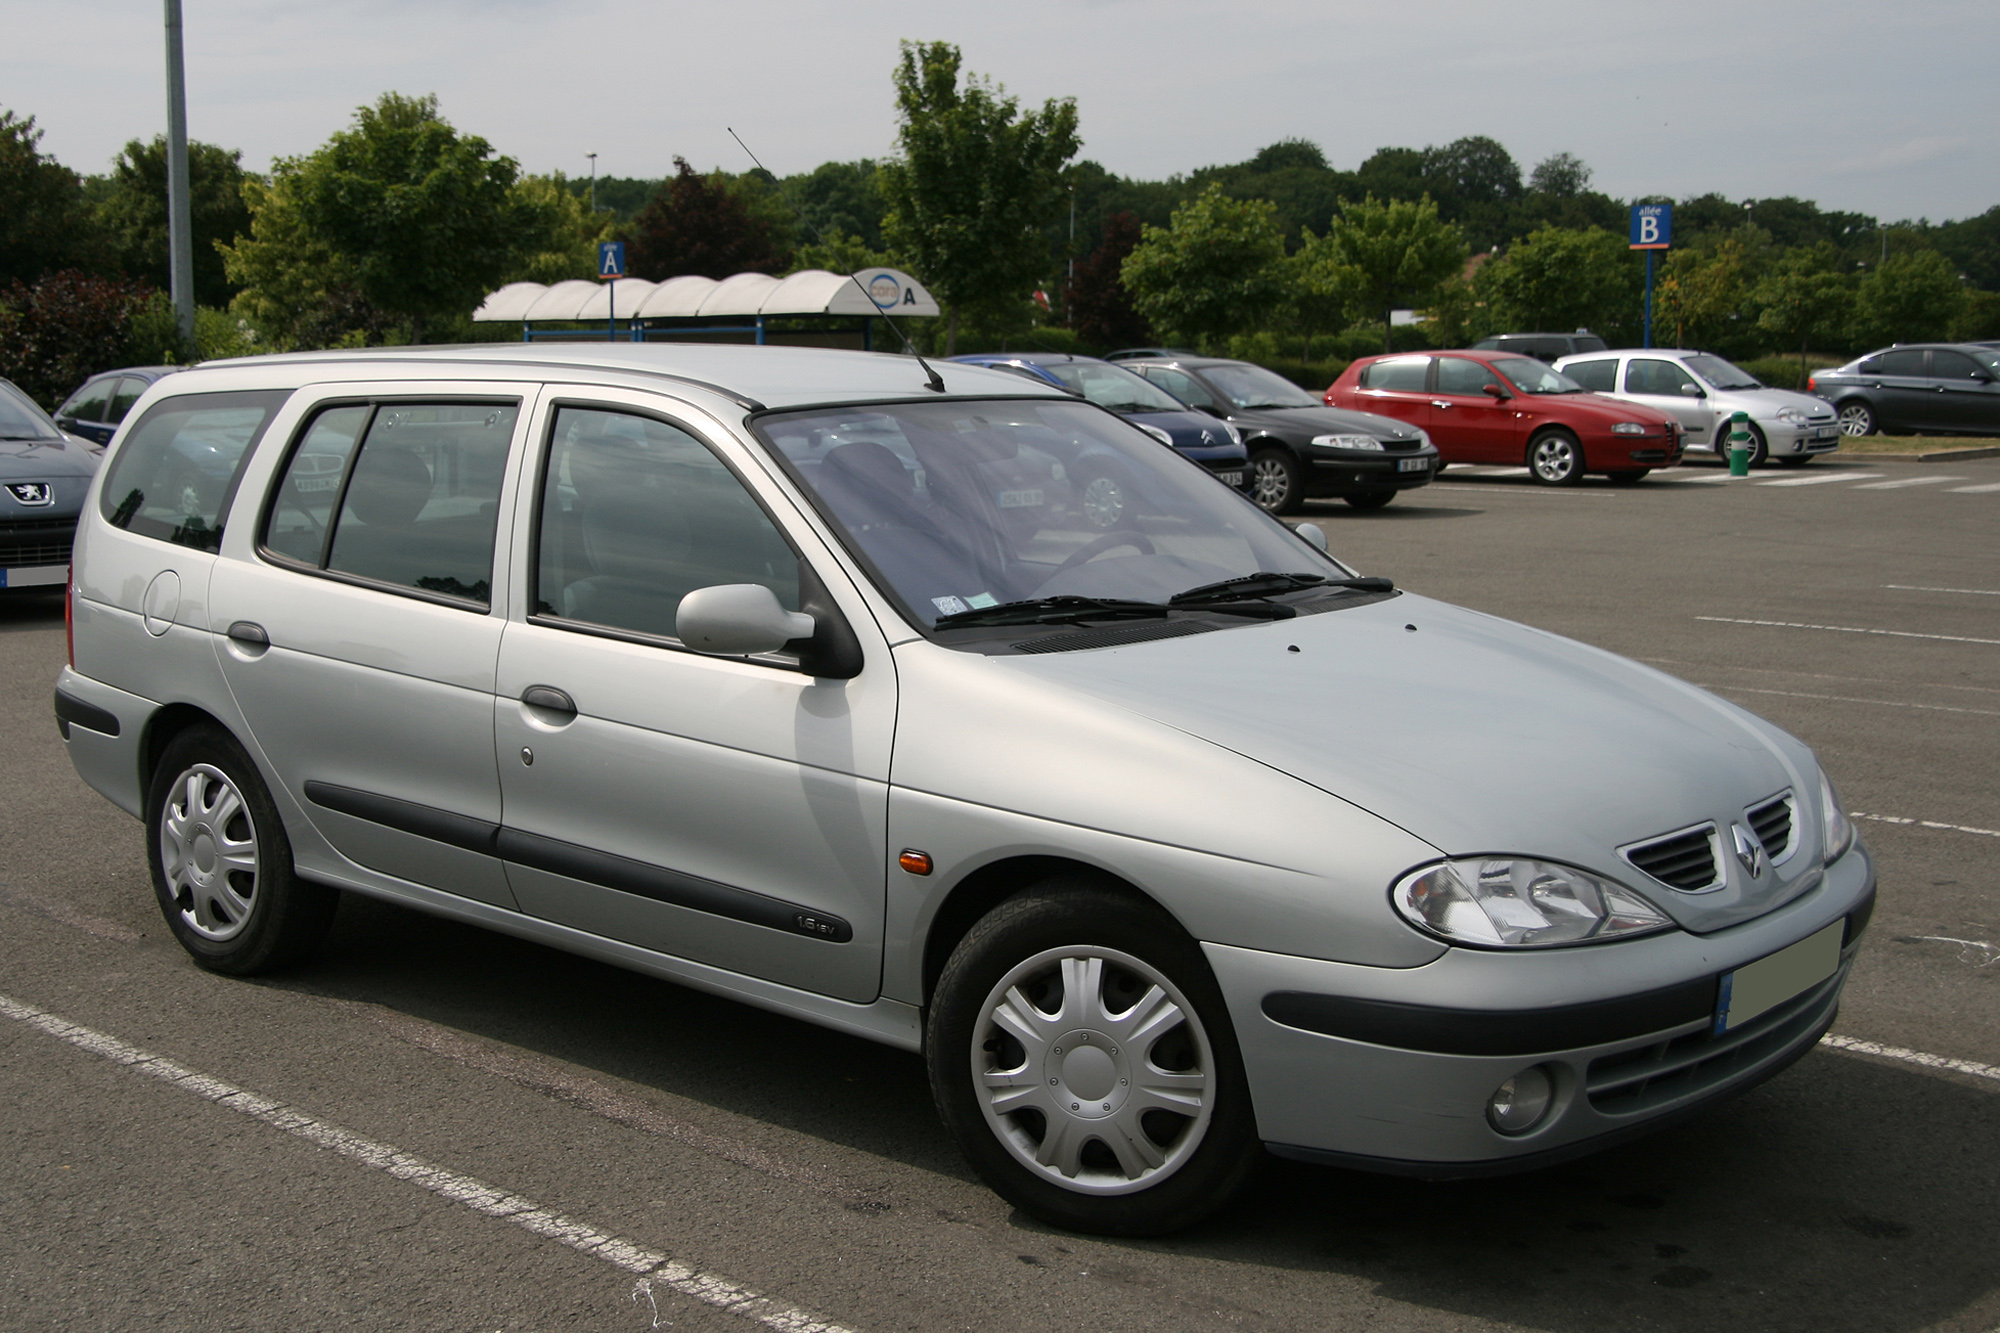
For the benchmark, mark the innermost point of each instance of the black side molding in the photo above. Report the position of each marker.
(1441, 1031)
(667, 886)
(582, 863)
(453, 830)
(76, 713)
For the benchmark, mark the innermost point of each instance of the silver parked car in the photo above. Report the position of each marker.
(782, 674)
(1704, 392)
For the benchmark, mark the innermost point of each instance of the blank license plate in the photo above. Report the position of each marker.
(1767, 983)
(1412, 464)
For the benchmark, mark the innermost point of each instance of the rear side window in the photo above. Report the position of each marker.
(1903, 361)
(1403, 373)
(173, 476)
(402, 494)
(1599, 376)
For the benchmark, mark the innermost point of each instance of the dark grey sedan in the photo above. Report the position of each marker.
(1932, 388)
(43, 476)
(1299, 446)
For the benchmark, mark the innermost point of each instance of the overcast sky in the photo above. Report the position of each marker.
(1860, 105)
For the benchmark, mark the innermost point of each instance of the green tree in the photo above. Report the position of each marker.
(1915, 296)
(1217, 269)
(571, 236)
(706, 226)
(400, 213)
(976, 182)
(1381, 255)
(1804, 296)
(43, 223)
(1701, 291)
(294, 288)
(1556, 279)
(133, 211)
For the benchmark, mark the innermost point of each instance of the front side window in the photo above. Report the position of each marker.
(403, 494)
(127, 393)
(91, 403)
(1113, 387)
(1180, 384)
(1599, 376)
(1459, 375)
(1403, 374)
(962, 507)
(635, 515)
(1653, 376)
(1955, 366)
(174, 474)
(1253, 387)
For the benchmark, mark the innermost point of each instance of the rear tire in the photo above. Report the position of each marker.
(1081, 1055)
(221, 863)
(1857, 417)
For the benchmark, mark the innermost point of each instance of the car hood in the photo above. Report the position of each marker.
(1476, 735)
(1190, 430)
(46, 460)
(1762, 403)
(1306, 422)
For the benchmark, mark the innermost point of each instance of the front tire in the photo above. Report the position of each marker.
(1555, 458)
(221, 863)
(1081, 1055)
(1275, 482)
(1857, 418)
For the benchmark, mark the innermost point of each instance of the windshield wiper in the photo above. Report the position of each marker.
(1053, 611)
(1266, 583)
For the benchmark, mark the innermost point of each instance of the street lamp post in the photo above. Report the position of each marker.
(593, 181)
(180, 235)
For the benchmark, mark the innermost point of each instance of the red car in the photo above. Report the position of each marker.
(1498, 407)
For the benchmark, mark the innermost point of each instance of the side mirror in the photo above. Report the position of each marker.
(738, 619)
(1692, 391)
(1312, 535)
(1492, 390)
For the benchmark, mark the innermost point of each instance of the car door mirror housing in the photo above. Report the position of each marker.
(737, 620)
(1495, 391)
(1313, 535)
(1692, 391)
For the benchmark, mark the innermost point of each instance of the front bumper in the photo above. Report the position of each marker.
(1338, 471)
(1629, 1031)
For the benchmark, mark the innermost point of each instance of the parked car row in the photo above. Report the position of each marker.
(1934, 388)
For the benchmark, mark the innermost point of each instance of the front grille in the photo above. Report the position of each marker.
(38, 541)
(1402, 446)
(1668, 1071)
(1689, 861)
(1773, 824)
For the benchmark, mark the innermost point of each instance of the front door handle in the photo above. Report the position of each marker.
(549, 699)
(249, 635)
(1436, 403)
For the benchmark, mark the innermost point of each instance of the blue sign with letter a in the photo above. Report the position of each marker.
(1652, 226)
(611, 259)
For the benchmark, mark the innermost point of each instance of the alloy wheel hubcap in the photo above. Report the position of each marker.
(1271, 483)
(208, 851)
(1093, 1070)
(1554, 460)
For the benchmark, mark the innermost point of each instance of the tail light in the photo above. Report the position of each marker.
(1812, 384)
(69, 614)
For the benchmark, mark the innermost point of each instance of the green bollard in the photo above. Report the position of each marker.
(1739, 444)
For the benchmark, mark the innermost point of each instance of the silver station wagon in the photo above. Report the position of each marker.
(803, 677)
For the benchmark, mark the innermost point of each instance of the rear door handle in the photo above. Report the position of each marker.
(549, 699)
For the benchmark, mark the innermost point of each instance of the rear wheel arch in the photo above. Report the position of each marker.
(161, 729)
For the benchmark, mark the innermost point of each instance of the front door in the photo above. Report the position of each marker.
(1666, 387)
(732, 811)
(1482, 427)
(359, 642)
(1968, 398)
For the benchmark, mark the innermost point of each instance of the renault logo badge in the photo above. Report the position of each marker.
(1749, 851)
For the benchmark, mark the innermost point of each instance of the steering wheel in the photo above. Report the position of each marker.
(1091, 550)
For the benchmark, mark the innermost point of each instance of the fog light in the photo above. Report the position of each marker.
(1519, 1104)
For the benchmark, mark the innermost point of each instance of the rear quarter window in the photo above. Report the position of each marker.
(1404, 373)
(175, 473)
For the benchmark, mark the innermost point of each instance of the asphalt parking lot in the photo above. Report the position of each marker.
(315, 1152)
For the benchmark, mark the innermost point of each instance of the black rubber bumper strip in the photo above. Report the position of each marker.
(536, 852)
(1442, 1031)
(77, 713)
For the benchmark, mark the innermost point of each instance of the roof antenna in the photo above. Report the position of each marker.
(936, 380)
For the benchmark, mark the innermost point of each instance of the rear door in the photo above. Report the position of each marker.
(1904, 399)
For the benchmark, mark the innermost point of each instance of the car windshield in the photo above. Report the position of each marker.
(1114, 387)
(20, 419)
(1254, 386)
(1990, 360)
(961, 506)
(1720, 374)
(1531, 376)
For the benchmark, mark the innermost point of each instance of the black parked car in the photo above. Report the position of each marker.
(1933, 388)
(102, 401)
(43, 476)
(1542, 346)
(1299, 447)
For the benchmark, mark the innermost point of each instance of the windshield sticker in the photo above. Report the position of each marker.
(949, 606)
(981, 600)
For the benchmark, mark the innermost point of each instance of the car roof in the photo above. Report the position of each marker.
(148, 373)
(756, 377)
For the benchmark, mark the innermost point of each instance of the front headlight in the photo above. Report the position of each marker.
(1515, 902)
(1349, 442)
(1156, 433)
(1423, 439)
(1793, 416)
(1628, 428)
(1836, 829)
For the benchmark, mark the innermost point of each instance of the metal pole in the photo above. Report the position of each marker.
(1649, 301)
(180, 233)
(611, 311)
(593, 181)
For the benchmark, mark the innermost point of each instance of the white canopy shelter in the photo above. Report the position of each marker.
(810, 293)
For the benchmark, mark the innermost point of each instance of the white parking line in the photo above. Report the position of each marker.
(1970, 592)
(1682, 477)
(1926, 823)
(1846, 629)
(1906, 481)
(460, 1189)
(1821, 479)
(1987, 489)
(1924, 1058)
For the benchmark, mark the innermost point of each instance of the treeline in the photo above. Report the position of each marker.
(395, 227)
